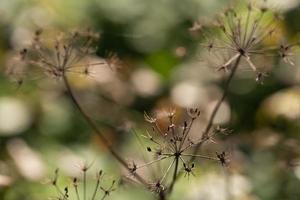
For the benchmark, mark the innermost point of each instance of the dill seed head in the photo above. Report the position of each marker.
(222, 158)
(80, 190)
(247, 33)
(172, 148)
(59, 55)
(194, 113)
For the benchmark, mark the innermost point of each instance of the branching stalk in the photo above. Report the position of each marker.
(205, 134)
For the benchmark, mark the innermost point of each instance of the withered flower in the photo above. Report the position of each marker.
(246, 35)
(99, 192)
(173, 148)
(54, 58)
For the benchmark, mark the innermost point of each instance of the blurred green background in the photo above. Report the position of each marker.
(40, 130)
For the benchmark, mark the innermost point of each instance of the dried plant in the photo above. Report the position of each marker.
(245, 35)
(43, 58)
(78, 192)
(172, 143)
(68, 54)
(242, 38)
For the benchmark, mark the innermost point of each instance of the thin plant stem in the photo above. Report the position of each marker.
(186, 133)
(96, 189)
(84, 185)
(91, 123)
(175, 173)
(210, 122)
(166, 173)
(76, 191)
(103, 197)
(201, 156)
(227, 187)
(162, 196)
(152, 162)
(219, 103)
(59, 191)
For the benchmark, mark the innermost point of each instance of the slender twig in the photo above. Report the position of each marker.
(167, 171)
(84, 185)
(187, 131)
(175, 175)
(153, 161)
(226, 87)
(218, 105)
(76, 191)
(201, 156)
(204, 136)
(103, 197)
(95, 128)
(162, 195)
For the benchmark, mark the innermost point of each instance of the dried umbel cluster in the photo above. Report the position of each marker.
(172, 144)
(245, 35)
(54, 58)
(79, 191)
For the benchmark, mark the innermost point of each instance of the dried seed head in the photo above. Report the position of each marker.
(149, 119)
(149, 149)
(193, 112)
(157, 187)
(246, 35)
(260, 77)
(222, 158)
(171, 113)
(75, 182)
(54, 181)
(132, 168)
(65, 193)
(65, 55)
(99, 174)
(220, 130)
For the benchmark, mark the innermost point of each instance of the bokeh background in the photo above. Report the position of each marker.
(162, 67)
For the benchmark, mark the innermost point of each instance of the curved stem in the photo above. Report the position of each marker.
(218, 105)
(209, 124)
(214, 113)
(90, 122)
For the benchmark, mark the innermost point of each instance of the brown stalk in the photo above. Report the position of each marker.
(91, 123)
(175, 173)
(210, 122)
(217, 107)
